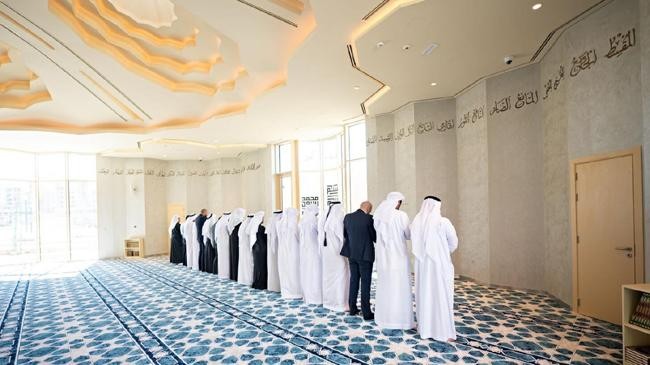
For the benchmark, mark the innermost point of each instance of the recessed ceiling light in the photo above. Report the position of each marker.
(537, 6)
(380, 44)
(356, 87)
(434, 84)
(406, 47)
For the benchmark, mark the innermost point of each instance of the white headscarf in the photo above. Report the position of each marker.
(309, 220)
(243, 228)
(289, 222)
(236, 217)
(253, 226)
(208, 229)
(386, 211)
(332, 220)
(425, 230)
(175, 220)
(272, 230)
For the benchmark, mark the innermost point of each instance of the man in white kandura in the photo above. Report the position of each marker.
(273, 280)
(434, 239)
(336, 269)
(393, 300)
(289, 255)
(191, 242)
(245, 268)
(310, 258)
(223, 246)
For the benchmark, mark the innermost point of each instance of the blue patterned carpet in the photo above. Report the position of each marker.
(149, 311)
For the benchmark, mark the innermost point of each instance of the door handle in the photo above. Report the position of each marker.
(628, 249)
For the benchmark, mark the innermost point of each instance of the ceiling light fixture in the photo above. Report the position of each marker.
(434, 84)
(380, 44)
(537, 6)
(406, 47)
(356, 87)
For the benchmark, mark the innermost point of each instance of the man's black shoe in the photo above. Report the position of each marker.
(354, 312)
(369, 317)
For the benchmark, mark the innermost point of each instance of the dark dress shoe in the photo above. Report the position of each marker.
(369, 317)
(354, 312)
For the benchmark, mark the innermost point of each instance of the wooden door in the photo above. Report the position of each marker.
(608, 246)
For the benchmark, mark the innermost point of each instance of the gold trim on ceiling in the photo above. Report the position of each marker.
(117, 101)
(24, 101)
(4, 58)
(294, 6)
(14, 85)
(269, 13)
(58, 8)
(118, 127)
(116, 37)
(25, 29)
(374, 17)
(131, 28)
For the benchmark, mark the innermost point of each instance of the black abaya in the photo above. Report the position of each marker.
(234, 252)
(176, 251)
(200, 221)
(260, 273)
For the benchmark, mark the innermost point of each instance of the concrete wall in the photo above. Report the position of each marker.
(504, 173)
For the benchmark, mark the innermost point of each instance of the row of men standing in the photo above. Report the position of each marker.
(324, 257)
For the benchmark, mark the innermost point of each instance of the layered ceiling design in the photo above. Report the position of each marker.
(20, 87)
(206, 78)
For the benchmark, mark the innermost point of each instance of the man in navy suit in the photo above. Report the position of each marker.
(358, 246)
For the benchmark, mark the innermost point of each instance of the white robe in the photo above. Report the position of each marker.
(393, 298)
(245, 267)
(192, 243)
(434, 239)
(223, 247)
(336, 268)
(289, 255)
(310, 258)
(273, 275)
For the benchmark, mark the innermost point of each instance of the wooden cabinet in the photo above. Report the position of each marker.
(633, 335)
(134, 247)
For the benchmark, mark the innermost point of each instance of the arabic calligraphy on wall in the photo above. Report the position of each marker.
(181, 173)
(618, 44)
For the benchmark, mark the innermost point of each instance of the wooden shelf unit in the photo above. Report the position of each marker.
(134, 247)
(633, 335)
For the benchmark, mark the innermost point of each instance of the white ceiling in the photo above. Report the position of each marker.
(299, 81)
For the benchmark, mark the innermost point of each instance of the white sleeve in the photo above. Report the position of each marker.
(450, 232)
(406, 226)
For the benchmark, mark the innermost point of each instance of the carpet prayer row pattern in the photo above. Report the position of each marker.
(149, 311)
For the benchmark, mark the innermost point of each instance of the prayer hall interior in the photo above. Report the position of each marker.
(324, 181)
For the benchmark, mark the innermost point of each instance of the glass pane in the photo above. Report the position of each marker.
(332, 153)
(51, 166)
(333, 187)
(17, 165)
(83, 220)
(82, 167)
(358, 183)
(18, 230)
(357, 141)
(53, 221)
(284, 157)
(309, 156)
(287, 192)
(309, 189)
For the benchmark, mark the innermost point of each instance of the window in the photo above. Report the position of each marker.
(42, 200)
(356, 168)
(320, 171)
(283, 158)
